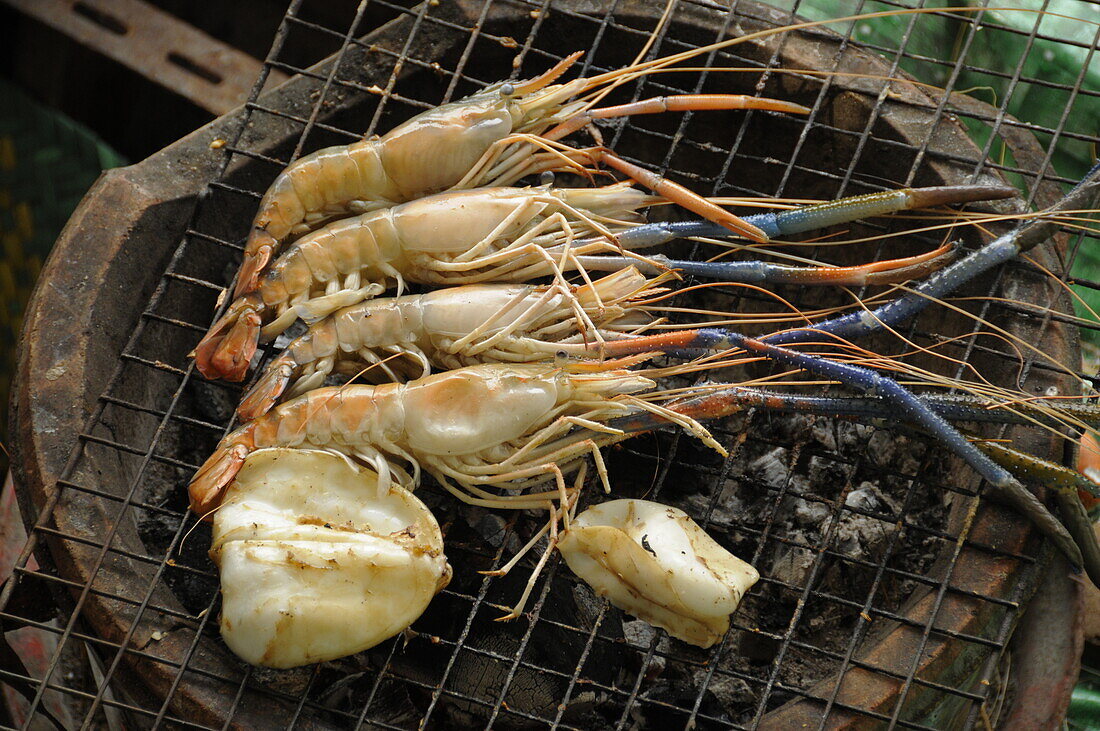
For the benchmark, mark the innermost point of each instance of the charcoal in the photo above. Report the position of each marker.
(771, 468)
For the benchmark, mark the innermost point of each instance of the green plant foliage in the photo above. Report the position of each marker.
(1033, 84)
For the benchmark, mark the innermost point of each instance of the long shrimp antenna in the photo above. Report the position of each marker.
(201, 519)
(622, 76)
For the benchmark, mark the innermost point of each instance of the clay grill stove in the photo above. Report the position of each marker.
(890, 591)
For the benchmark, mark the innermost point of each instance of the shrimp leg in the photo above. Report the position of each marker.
(679, 194)
(674, 191)
(889, 271)
(807, 218)
(726, 402)
(950, 407)
(1064, 482)
(677, 103)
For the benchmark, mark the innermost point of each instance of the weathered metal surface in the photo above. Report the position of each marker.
(157, 45)
(112, 253)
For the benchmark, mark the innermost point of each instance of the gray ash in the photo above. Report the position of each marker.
(815, 504)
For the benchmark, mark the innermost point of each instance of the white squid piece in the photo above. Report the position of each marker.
(315, 564)
(656, 563)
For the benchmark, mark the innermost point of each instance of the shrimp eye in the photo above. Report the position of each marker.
(546, 177)
(507, 89)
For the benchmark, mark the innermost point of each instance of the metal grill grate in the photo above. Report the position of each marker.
(892, 604)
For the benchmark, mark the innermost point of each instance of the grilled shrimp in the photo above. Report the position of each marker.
(451, 328)
(514, 234)
(488, 138)
(463, 237)
(505, 426)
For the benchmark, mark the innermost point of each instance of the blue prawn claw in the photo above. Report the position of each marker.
(909, 408)
(799, 220)
(821, 215)
(997, 252)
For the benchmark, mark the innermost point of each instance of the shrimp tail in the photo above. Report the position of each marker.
(271, 385)
(227, 349)
(258, 251)
(210, 482)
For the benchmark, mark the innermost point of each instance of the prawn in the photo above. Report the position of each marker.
(452, 328)
(513, 235)
(462, 237)
(500, 425)
(486, 139)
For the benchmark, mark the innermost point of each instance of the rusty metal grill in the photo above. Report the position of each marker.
(908, 628)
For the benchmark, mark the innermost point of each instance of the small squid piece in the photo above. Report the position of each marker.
(315, 564)
(656, 563)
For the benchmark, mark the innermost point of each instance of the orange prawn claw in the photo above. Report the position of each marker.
(619, 363)
(226, 351)
(678, 103)
(892, 271)
(210, 482)
(679, 195)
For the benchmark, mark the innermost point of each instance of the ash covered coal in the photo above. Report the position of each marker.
(829, 512)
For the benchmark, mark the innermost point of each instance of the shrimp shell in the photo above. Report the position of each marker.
(501, 425)
(452, 328)
(489, 138)
(381, 171)
(463, 237)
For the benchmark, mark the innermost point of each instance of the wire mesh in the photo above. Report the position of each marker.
(849, 523)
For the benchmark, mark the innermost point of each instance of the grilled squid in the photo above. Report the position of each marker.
(656, 563)
(315, 564)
